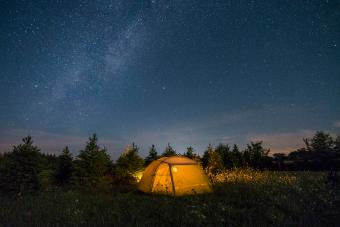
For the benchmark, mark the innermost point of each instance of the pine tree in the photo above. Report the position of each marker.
(224, 151)
(236, 156)
(65, 168)
(129, 162)
(19, 172)
(190, 153)
(169, 151)
(246, 158)
(258, 156)
(205, 157)
(93, 163)
(212, 161)
(320, 143)
(320, 147)
(153, 155)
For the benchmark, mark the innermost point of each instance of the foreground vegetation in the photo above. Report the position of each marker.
(240, 198)
(90, 189)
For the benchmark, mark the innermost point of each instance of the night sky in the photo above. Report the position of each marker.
(183, 72)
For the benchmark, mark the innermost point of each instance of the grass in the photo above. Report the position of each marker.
(240, 198)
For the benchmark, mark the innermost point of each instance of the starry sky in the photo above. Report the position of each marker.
(182, 71)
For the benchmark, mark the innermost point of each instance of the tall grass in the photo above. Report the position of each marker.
(240, 198)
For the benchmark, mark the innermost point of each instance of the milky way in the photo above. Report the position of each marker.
(184, 72)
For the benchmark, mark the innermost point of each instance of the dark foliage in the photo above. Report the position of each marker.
(224, 151)
(92, 164)
(212, 161)
(25, 169)
(129, 162)
(65, 169)
(321, 152)
(190, 152)
(153, 155)
(169, 151)
(258, 155)
(20, 168)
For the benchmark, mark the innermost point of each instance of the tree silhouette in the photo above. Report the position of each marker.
(224, 152)
(190, 153)
(153, 155)
(321, 152)
(65, 168)
(212, 161)
(258, 155)
(92, 164)
(320, 143)
(20, 168)
(236, 156)
(129, 162)
(169, 151)
(246, 158)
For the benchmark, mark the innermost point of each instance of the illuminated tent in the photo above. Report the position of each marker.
(176, 176)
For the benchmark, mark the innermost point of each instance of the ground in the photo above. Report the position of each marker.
(240, 198)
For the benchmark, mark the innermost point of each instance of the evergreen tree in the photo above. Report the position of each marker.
(93, 163)
(49, 161)
(224, 152)
(205, 157)
(169, 151)
(49, 165)
(320, 143)
(320, 148)
(212, 161)
(190, 153)
(64, 170)
(153, 155)
(236, 157)
(258, 155)
(129, 162)
(246, 158)
(19, 172)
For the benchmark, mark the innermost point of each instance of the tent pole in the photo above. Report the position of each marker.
(172, 180)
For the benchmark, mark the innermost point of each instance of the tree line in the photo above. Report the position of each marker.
(26, 169)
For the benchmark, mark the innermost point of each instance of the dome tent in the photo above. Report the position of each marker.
(176, 175)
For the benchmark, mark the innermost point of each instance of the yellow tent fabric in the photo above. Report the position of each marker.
(175, 176)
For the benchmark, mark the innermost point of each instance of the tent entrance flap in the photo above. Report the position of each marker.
(172, 181)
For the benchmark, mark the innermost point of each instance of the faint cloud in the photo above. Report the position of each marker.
(284, 142)
(53, 143)
(228, 139)
(337, 124)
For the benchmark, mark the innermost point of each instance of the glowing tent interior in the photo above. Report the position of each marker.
(175, 176)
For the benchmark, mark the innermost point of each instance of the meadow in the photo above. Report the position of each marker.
(240, 198)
